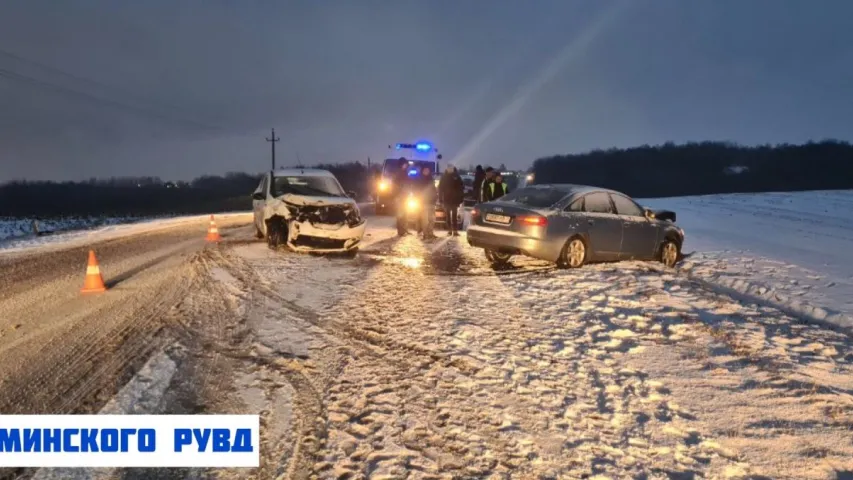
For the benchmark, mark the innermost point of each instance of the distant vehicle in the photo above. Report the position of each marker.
(525, 180)
(572, 225)
(308, 211)
(419, 155)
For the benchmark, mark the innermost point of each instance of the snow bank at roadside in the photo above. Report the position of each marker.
(22, 228)
(789, 288)
(789, 250)
(82, 237)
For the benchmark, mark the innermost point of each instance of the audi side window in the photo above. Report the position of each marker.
(626, 206)
(598, 203)
(576, 206)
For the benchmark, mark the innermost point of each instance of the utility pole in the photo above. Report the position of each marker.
(272, 141)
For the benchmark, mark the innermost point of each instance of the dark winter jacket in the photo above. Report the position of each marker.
(486, 193)
(402, 183)
(424, 187)
(497, 190)
(451, 189)
(479, 177)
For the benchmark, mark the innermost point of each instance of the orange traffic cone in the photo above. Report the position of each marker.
(94, 282)
(213, 232)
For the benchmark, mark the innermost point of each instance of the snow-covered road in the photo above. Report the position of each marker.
(428, 364)
(419, 360)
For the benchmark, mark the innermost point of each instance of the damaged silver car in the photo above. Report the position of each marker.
(308, 211)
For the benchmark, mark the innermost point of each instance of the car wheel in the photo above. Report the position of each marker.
(351, 253)
(275, 234)
(670, 251)
(574, 253)
(496, 257)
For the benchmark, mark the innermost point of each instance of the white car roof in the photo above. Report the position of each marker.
(300, 172)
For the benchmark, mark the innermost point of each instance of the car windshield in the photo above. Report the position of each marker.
(534, 197)
(312, 186)
(392, 165)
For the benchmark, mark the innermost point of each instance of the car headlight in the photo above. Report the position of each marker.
(412, 204)
(384, 185)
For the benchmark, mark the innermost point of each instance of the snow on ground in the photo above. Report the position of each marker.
(17, 234)
(110, 231)
(429, 364)
(790, 249)
(15, 228)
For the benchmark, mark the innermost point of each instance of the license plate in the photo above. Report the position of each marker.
(491, 217)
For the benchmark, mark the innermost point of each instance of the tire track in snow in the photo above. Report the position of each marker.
(496, 405)
(735, 369)
(534, 376)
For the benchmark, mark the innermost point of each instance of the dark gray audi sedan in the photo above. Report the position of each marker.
(572, 225)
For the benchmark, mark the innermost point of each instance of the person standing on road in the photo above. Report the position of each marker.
(486, 190)
(402, 187)
(479, 177)
(498, 188)
(424, 187)
(451, 192)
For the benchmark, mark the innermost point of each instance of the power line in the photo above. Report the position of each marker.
(17, 77)
(90, 81)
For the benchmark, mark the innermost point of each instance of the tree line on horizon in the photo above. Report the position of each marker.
(643, 172)
(705, 168)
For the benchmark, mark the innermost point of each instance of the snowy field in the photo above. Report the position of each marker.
(794, 250)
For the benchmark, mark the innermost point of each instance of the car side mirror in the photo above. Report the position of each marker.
(351, 194)
(649, 214)
(257, 196)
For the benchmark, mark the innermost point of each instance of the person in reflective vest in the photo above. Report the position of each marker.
(485, 189)
(498, 188)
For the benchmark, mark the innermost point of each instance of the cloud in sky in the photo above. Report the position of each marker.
(179, 89)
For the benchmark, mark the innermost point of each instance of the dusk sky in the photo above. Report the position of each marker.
(180, 88)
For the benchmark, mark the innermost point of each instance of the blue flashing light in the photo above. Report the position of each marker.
(420, 146)
(413, 172)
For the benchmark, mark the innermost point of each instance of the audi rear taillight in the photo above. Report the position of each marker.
(474, 212)
(534, 220)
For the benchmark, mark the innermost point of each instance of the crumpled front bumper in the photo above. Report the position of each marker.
(305, 237)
